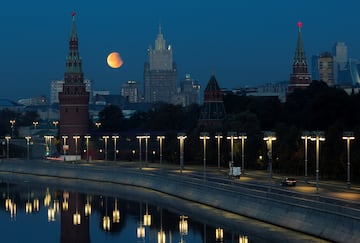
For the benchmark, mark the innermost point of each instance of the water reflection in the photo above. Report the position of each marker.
(74, 215)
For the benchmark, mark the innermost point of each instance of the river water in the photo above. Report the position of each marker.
(41, 209)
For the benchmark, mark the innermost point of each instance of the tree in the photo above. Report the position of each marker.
(112, 119)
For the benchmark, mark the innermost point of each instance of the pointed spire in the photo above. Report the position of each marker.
(73, 28)
(299, 57)
(160, 41)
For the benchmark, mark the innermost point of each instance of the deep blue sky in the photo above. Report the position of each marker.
(243, 42)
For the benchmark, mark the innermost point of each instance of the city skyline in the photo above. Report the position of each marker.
(243, 44)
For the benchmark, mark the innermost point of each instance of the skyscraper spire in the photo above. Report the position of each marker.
(300, 77)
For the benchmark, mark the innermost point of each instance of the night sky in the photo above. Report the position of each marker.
(243, 42)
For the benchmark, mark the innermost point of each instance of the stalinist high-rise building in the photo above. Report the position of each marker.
(160, 72)
(300, 77)
(73, 100)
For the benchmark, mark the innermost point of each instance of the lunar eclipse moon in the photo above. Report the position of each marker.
(114, 60)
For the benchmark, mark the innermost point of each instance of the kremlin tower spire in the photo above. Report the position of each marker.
(300, 77)
(74, 100)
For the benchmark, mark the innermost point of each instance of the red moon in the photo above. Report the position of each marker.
(114, 60)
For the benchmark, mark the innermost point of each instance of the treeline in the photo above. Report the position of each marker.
(318, 108)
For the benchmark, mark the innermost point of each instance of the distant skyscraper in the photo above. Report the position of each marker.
(74, 99)
(213, 110)
(130, 90)
(326, 68)
(190, 90)
(57, 86)
(300, 77)
(340, 54)
(160, 72)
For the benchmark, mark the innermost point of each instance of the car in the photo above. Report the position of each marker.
(288, 182)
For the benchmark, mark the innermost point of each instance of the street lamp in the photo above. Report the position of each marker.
(87, 137)
(306, 136)
(12, 122)
(48, 144)
(28, 146)
(268, 138)
(115, 151)
(317, 137)
(139, 138)
(160, 138)
(231, 136)
(65, 147)
(35, 123)
(348, 136)
(242, 136)
(204, 136)
(146, 136)
(97, 124)
(218, 136)
(181, 137)
(7, 145)
(76, 144)
(105, 142)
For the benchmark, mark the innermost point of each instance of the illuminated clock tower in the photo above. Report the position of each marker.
(73, 100)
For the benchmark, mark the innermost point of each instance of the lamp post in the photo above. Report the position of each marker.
(218, 136)
(317, 137)
(146, 136)
(305, 136)
(268, 138)
(181, 137)
(140, 162)
(115, 147)
(160, 138)
(348, 136)
(55, 123)
(64, 143)
(28, 146)
(97, 124)
(204, 136)
(242, 136)
(12, 122)
(76, 138)
(231, 136)
(105, 143)
(87, 137)
(48, 144)
(7, 145)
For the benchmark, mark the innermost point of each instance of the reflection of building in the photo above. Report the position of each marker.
(160, 73)
(326, 68)
(72, 232)
(130, 90)
(213, 110)
(74, 99)
(300, 77)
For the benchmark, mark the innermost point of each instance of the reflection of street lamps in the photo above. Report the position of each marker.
(28, 146)
(87, 137)
(35, 123)
(242, 136)
(12, 122)
(218, 136)
(105, 142)
(268, 138)
(115, 149)
(181, 137)
(160, 138)
(306, 136)
(204, 136)
(64, 143)
(231, 136)
(317, 137)
(55, 123)
(183, 227)
(76, 144)
(348, 136)
(7, 145)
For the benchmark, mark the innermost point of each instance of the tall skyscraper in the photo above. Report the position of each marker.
(160, 72)
(326, 68)
(213, 110)
(340, 54)
(74, 99)
(300, 77)
(190, 90)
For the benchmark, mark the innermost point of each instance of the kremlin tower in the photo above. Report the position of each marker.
(300, 77)
(73, 100)
(213, 110)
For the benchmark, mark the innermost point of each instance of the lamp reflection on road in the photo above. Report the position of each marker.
(116, 212)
